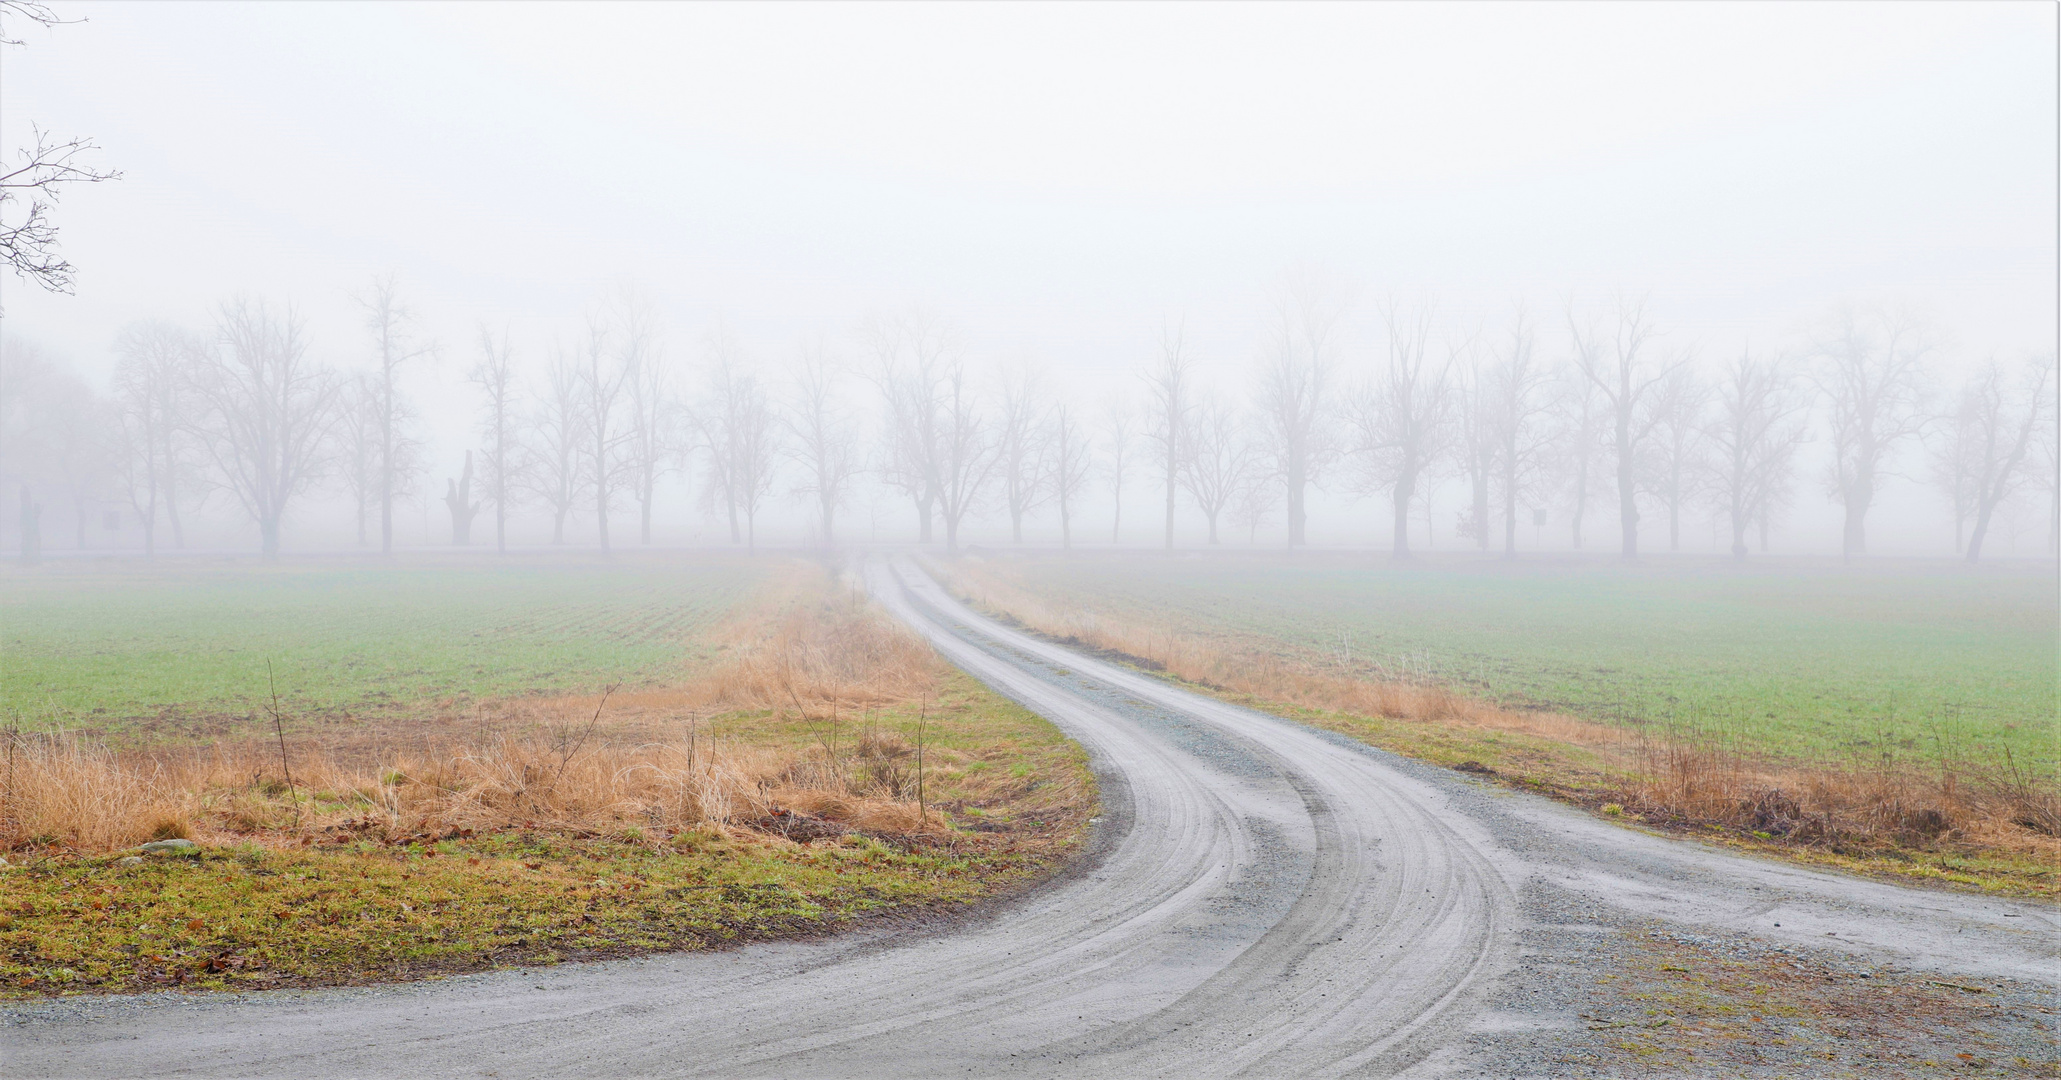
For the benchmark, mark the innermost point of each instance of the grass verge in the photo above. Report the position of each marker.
(1993, 831)
(829, 770)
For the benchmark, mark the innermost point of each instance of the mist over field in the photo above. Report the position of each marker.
(1778, 279)
(889, 540)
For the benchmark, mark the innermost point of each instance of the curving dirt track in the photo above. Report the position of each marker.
(1261, 899)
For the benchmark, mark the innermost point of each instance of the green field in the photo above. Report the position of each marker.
(98, 644)
(1789, 658)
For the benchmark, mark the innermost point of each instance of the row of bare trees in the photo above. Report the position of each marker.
(1526, 415)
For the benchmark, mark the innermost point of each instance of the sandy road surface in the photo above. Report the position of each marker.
(1260, 899)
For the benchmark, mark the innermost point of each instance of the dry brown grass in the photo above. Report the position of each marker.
(1666, 777)
(625, 765)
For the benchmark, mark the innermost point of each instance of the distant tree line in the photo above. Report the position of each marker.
(1590, 415)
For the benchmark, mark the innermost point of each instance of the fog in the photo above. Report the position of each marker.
(1063, 192)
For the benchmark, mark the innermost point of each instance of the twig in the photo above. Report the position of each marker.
(279, 729)
(567, 756)
(922, 812)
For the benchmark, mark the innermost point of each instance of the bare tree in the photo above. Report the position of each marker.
(268, 410)
(651, 439)
(967, 457)
(458, 499)
(395, 348)
(739, 433)
(1477, 438)
(1400, 416)
(149, 385)
(1520, 405)
(48, 165)
(1585, 419)
(555, 469)
(1022, 450)
(357, 429)
(1117, 433)
(1678, 406)
(1072, 464)
(1621, 369)
(500, 440)
(825, 446)
(1169, 392)
(1870, 372)
(83, 456)
(1754, 436)
(1293, 397)
(604, 378)
(1218, 462)
(1954, 442)
(2006, 418)
(1254, 504)
(911, 369)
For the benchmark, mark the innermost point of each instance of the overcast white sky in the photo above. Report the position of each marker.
(1058, 180)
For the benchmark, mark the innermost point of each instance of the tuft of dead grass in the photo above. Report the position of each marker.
(1662, 776)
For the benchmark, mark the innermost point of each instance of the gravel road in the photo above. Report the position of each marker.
(1260, 898)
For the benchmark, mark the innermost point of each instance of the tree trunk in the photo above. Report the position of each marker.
(1016, 527)
(500, 524)
(1296, 517)
(1627, 494)
(558, 526)
(1170, 506)
(1405, 488)
(1854, 539)
(1509, 513)
(644, 515)
(829, 515)
(1213, 530)
(1065, 526)
(923, 509)
(1481, 511)
(268, 529)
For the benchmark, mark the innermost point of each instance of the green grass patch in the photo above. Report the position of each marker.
(112, 645)
(1792, 659)
(252, 917)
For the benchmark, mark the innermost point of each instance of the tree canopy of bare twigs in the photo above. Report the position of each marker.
(1758, 425)
(1072, 464)
(1520, 404)
(1294, 398)
(266, 411)
(397, 452)
(1170, 392)
(1118, 433)
(501, 452)
(1400, 416)
(2008, 413)
(1621, 367)
(553, 467)
(1218, 462)
(824, 440)
(1023, 460)
(1869, 373)
(151, 402)
(967, 454)
(910, 370)
(42, 171)
(740, 439)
